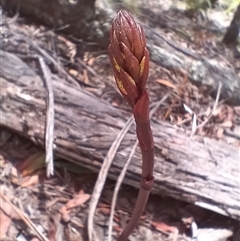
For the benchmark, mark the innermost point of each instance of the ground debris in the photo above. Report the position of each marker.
(58, 206)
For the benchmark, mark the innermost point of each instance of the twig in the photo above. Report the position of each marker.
(48, 57)
(15, 18)
(157, 104)
(103, 175)
(194, 124)
(213, 110)
(49, 127)
(26, 220)
(172, 44)
(124, 170)
(116, 190)
(91, 70)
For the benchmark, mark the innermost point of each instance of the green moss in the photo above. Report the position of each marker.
(233, 5)
(198, 4)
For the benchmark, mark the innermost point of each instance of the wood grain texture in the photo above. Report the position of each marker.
(90, 22)
(77, 18)
(197, 170)
(202, 71)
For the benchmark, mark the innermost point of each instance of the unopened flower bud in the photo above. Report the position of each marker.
(129, 56)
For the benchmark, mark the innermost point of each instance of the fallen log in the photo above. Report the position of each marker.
(198, 170)
(90, 22)
(73, 17)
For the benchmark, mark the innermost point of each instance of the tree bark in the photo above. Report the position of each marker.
(77, 18)
(201, 71)
(84, 21)
(230, 37)
(198, 170)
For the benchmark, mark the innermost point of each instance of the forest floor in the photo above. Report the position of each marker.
(57, 207)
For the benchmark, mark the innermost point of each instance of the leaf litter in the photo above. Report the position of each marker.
(58, 206)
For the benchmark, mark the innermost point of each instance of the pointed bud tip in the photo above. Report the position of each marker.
(128, 55)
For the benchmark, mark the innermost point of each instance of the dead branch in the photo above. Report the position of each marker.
(82, 20)
(198, 170)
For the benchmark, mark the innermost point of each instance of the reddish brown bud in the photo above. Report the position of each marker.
(129, 56)
(144, 70)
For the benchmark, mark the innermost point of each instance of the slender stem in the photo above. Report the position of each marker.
(146, 144)
(137, 212)
(145, 137)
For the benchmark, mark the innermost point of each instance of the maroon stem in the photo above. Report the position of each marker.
(145, 137)
(137, 212)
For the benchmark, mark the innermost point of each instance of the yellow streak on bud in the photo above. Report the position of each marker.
(142, 64)
(120, 86)
(116, 65)
(131, 80)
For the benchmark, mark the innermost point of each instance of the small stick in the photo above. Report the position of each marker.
(102, 176)
(26, 220)
(49, 127)
(213, 110)
(48, 57)
(118, 184)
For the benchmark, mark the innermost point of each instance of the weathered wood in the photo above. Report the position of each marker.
(92, 24)
(198, 170)
(201, 71)
(71, 17)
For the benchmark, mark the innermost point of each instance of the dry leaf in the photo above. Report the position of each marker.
(227, 123)
(31, 181)
(65, 214)
(81, 192)
(208, 111)
(104, 210)
(117, 228)
(217, 111)
(91, 61)
(52, 229)
(230, 113)
(220, 133)
(179, 120)
(85, 76)
(166, 83)
(14, 172)
(164, 228)
(77, 201)
(32, 163)
(5, 218)
(73, 72)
